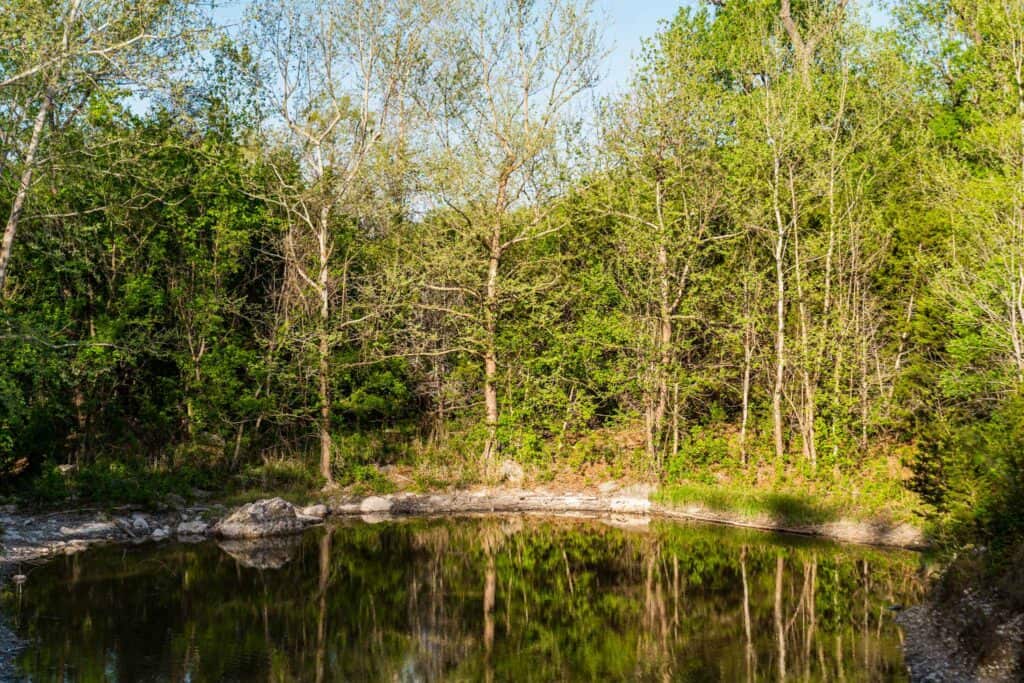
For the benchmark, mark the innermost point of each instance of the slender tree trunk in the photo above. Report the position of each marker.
(490, 330)
(324, 349)
(748, 355)
(807, 413)
(663, 340)
(780, 315)
(24, 184)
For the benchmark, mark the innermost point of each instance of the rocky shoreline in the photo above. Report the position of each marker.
(971, 639)
(28, 538)
(256, 533)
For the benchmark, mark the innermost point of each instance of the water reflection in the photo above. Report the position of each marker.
(499, 599)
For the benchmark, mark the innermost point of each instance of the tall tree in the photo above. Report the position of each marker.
(511, 72)
(67, 52)
(334, 74)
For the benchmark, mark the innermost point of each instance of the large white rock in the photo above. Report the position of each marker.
(271, 517)
(375, 504)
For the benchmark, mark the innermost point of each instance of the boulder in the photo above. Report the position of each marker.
(160, 533)
(512, 472)
(195, 528)
(375, 504)
(271, 517)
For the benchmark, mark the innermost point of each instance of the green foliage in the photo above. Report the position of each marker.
(823, 245)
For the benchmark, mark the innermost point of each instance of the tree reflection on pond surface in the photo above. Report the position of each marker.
(493, 599)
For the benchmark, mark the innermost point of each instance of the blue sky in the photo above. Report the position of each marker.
(626, 23)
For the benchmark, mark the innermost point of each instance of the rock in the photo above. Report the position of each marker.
(375, 504)
(318, 511)
(512, 472)
(194, 528)
(140, 523)
(608, 486)
(200, 494)
(175, 501)
(65, 470)
(161, 533)
(271, 517)
(262, 553)
(639, 490)
(90, 530)
(75, 546)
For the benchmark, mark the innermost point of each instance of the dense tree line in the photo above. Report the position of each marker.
(794, 243)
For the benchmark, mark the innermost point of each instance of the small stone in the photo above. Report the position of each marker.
(194, 528)
(140, 523)
(375, 504)
(318, 511)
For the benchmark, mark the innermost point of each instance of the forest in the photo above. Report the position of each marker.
(341, 236)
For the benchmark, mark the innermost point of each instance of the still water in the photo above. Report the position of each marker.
(485, 599)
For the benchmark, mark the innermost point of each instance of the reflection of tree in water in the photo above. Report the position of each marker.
(488, 599)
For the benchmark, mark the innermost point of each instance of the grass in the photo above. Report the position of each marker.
(784, 505)
(787, 508)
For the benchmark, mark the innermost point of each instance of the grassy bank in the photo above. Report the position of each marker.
(788, 506)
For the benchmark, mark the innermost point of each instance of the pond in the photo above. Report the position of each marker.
(470, 599)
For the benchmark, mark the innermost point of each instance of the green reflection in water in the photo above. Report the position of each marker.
(494, 599)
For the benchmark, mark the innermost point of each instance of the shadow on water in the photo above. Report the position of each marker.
(496, 599)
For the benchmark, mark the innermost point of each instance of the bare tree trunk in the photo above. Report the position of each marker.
(491, 329)
(807, 413)
(748, 354)
(324, 350)
(664, 338)
(780, 316)
(25, 182)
